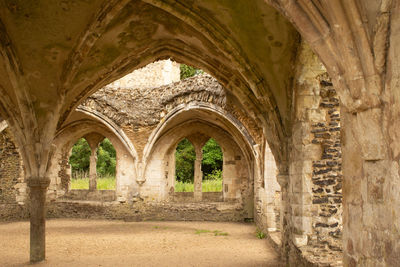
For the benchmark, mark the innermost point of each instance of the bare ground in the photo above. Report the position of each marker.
(117, 243)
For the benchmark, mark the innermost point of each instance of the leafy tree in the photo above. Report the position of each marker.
(106, 158)
(184, 161)
(212, 159)
(189, 71)
(80, 156)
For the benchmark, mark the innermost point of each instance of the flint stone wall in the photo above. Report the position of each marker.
(138, 111)
(12, 186)
(315, 175)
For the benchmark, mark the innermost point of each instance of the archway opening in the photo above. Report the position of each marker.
(185, 156)
(79, 161)
(211, 167)
(106, 165)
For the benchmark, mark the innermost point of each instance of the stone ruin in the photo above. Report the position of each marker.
(56, 54)
(145, 115)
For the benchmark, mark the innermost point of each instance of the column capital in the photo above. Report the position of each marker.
(283, 180)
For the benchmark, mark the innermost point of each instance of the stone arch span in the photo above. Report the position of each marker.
(112, 126)
(237, 167)
(165, 137)
(226, 121)
(126, 171)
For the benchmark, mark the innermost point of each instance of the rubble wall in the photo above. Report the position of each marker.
(315, 176)
(12, 185)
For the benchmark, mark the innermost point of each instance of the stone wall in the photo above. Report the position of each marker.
(138, 111)
(269, 195)
(153, 75)
(12, 187)
(144, 211)
(310, 220)
(314, 188)
(327, 172)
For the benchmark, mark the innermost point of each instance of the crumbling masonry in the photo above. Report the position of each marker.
(279, 107)
(145, 121)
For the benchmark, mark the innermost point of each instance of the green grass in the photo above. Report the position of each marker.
(160, 227)
(260, 234)
(183, 187)
(207, 186)
(103, 183)
(216, 232)
(202, 231)
(212, 185)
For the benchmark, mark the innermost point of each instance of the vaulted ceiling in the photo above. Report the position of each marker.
(56, 53)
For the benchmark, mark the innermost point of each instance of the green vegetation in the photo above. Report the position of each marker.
(184, 162)
(219, 233)
(184, 186)
(106, 159)
(211, 166)
(160, 227)
(80, 159)
(212, 160)
(189, 71)
(80, 183)
(260, 234)
(215, 232)
(202, 231)
(207, 186)
(214, 185)
(103, 183)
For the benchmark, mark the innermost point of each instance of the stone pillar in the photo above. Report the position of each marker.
(371, 220)
(93, 140)
(198, 141)
(198, 176)
(283, 180)
(38, 189)
(92, 169)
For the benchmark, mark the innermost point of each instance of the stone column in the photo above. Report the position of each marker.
(370, 190)
(38, 189)
(198, 140)
(283, 180)
(93, 140)
(92, 169)
(198, 176)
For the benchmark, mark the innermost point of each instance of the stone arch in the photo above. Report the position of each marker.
(161, 143)
(247, 83)
(239, 129)
(111, 126)
(125, 169)
(236, 165)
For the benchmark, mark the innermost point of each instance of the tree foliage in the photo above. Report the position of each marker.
(189, 71)
(185, 156)
(106, 158)
(80, 158)
(212, 160)
(184, 161)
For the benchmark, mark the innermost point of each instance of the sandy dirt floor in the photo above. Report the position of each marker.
(117, 243)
